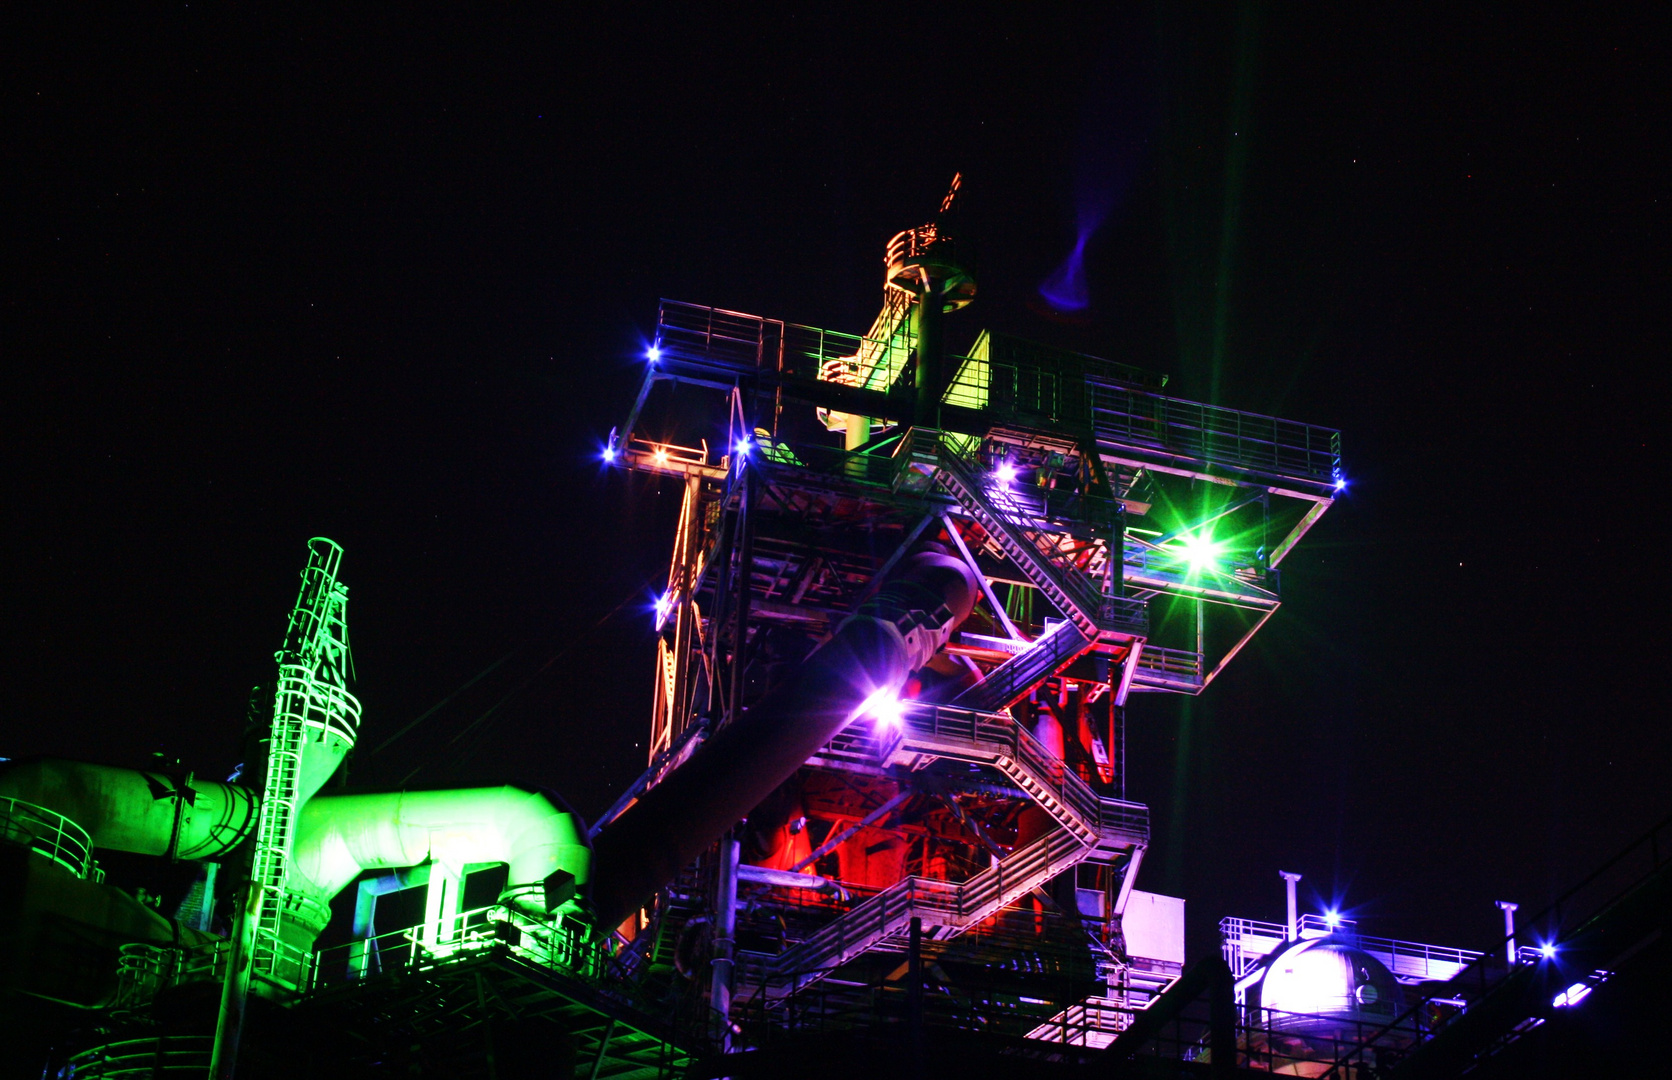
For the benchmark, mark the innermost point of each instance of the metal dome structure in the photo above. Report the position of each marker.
(1327, 986)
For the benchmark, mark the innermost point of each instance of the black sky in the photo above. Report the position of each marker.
(385, 277)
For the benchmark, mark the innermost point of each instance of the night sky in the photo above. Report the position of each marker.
(388, 278)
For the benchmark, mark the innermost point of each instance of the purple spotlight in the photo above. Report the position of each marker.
(742, 448)
(1005, 473)
(609, 455)
(654, 353)
(885, 709)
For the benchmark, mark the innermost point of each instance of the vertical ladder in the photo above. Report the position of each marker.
(276, 834)
(313, 663)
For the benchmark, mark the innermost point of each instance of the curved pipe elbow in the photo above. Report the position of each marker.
(341, 836)
(148, 813)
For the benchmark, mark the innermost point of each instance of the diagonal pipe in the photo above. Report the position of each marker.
(872, 653)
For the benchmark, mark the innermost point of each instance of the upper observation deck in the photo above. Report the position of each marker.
(1005, 382)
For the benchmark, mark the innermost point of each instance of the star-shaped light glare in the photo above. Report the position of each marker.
(885, 709)
(1201, 551)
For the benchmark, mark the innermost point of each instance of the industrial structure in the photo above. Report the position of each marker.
(883, 824)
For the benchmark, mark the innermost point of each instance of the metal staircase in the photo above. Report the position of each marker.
(946, 908)
(1088, 827)
(998, 742)
(1005, 684)
(1093, 612)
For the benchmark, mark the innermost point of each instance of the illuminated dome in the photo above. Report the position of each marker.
(1325, 984)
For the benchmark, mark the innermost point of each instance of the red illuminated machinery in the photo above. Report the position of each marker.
(955, 848)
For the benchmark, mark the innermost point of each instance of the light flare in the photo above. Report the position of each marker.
(885, 709)
(1201, 551)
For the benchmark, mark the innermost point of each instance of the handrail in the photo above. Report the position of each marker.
(942, 903)
(1437, 962)
(142, 1059)
(1115, 411)
(145, 969)
(548, 944)
(49, 834)
(1005, 739)
(1121, 414)
(1086, 822)
(1184, 663)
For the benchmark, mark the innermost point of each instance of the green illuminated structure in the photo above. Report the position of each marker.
(303, 849)
(315, 720)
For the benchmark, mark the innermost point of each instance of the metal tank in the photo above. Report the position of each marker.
(1326, 987)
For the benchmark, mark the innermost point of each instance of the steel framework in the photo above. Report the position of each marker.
(1126, 541)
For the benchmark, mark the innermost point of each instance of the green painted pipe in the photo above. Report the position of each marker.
(150, 813)
(340, 836)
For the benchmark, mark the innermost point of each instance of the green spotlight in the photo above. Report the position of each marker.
(1200, 551)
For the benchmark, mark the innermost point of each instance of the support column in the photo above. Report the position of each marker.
(686, 551)
(1289, 880)
(1509, 910)
(931, 350)
(745, 572)
(235, 990)
(441, 908)
(725, 926)
(858, 433)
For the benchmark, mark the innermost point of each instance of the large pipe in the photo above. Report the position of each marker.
(146, 812)
(872, 652)
(339, 836)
